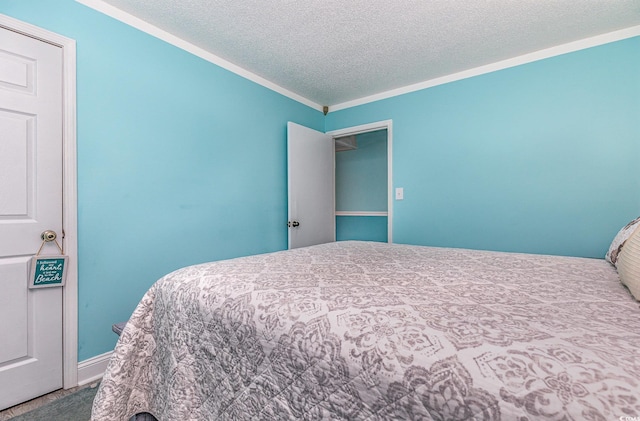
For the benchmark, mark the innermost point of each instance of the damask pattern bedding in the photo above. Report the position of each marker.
(371, 331)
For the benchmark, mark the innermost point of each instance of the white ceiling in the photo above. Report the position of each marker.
(334, 51)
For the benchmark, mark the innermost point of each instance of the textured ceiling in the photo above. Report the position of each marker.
(333, 51)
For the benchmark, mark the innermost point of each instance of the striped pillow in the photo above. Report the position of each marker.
(629, 264)
(618, 242)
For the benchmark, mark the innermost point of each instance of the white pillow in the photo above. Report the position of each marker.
(618, 242)
(629, 264)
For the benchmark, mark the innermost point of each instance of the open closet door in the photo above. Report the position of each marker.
(311, 173)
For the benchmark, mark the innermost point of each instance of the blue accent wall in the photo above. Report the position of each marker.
(539, 158)
(179, 162)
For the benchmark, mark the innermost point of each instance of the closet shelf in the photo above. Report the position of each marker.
(361, 213)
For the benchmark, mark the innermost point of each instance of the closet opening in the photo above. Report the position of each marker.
(362, 186)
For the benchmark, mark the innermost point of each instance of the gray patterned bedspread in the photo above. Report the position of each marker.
(371, 331)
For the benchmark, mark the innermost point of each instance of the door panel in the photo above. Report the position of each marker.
(16, 189)
(12, 302)
(311, 168)
(17, 72)
(30, 202)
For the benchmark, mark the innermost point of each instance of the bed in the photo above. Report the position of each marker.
(373, 331)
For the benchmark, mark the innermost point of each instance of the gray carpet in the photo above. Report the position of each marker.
(73, 407)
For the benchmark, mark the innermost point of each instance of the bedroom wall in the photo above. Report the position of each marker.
(179, 162)
(539, 158)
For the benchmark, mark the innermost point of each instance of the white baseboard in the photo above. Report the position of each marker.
(93, 369)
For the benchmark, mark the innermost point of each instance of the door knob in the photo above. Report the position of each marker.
(293, 224)
(48, 235)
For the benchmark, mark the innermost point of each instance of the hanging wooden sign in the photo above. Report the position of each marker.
(48, 271)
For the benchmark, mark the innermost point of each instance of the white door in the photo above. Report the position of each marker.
(30, 203)
(311, 173)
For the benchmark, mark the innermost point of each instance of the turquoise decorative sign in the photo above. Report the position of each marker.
(48, 271)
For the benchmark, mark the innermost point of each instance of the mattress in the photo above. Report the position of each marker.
(372, 331)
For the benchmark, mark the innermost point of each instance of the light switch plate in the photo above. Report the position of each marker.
(399, 193)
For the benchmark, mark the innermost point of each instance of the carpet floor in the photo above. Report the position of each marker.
(73, 407)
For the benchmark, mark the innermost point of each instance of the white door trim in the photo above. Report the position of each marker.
(69, 190)
(371, 127)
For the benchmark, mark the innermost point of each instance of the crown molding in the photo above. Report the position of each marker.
(118, 14)
(500, 65)
(165, 36)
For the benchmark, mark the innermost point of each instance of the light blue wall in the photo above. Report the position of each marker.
(539, 158)
(179, 162)
(363, 228)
